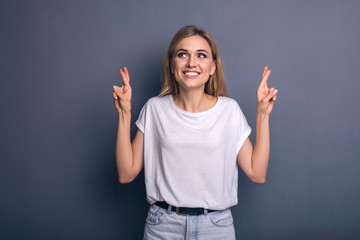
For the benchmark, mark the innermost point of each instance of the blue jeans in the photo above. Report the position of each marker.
(165, 224)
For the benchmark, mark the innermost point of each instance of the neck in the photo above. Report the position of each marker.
(194, 101)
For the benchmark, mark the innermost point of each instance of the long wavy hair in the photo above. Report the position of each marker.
(215, 86)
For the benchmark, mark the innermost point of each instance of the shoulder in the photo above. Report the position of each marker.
(155, 106)
(232, 109)
(230, 105)
(228, 102)
(156, 102)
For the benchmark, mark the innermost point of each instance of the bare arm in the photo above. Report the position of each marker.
(129, 156)
(254, 160)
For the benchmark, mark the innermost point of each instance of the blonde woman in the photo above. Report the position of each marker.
(190, 139)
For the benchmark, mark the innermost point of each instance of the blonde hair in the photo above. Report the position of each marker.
(215, 86)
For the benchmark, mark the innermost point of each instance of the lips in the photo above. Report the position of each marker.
(191, 73)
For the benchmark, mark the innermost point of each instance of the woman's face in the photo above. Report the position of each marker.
(192, 63)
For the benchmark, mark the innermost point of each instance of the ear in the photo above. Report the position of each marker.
(213, 68)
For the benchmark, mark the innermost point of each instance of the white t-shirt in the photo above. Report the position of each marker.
(190, 158)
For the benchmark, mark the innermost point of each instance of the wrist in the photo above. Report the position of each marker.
(262, 116)
(123, 114)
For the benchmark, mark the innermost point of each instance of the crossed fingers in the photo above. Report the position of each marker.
(122, 91)
(125, 76)
(268, 94)
(265, 76)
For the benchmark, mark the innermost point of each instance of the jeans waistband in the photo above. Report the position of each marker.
(184, 210)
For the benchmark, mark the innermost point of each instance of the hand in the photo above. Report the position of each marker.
(265, 96)
(122, 95)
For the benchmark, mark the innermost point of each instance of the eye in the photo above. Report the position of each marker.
(202, 55)
(181, 55)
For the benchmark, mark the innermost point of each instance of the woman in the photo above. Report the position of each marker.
(190, 140)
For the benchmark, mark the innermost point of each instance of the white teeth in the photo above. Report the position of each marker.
(191, 73)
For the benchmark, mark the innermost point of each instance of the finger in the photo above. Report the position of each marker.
(116, 102)
(272, 93)
(118, 91)
(126, 88)
(264, 79)
(125, 76)
(114, 96)
(264, 71)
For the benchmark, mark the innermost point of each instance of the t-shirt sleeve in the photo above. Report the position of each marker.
(244, 129)
(140, 122)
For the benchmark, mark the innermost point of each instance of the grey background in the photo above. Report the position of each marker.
(60, 59)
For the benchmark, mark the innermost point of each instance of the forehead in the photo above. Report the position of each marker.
(193, 43)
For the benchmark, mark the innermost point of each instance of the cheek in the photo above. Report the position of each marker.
(209, 67)
(174, 66)
(175, 70)
(177, 66)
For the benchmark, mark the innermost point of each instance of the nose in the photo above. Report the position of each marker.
(191, 62)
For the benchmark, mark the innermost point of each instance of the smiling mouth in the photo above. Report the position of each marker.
(191, 74)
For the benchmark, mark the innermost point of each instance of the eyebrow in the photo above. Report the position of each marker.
(198, 50)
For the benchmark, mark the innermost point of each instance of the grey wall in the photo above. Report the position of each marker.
(60, 59)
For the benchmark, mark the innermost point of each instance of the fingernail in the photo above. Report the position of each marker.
(114, 87)
(276, 91)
